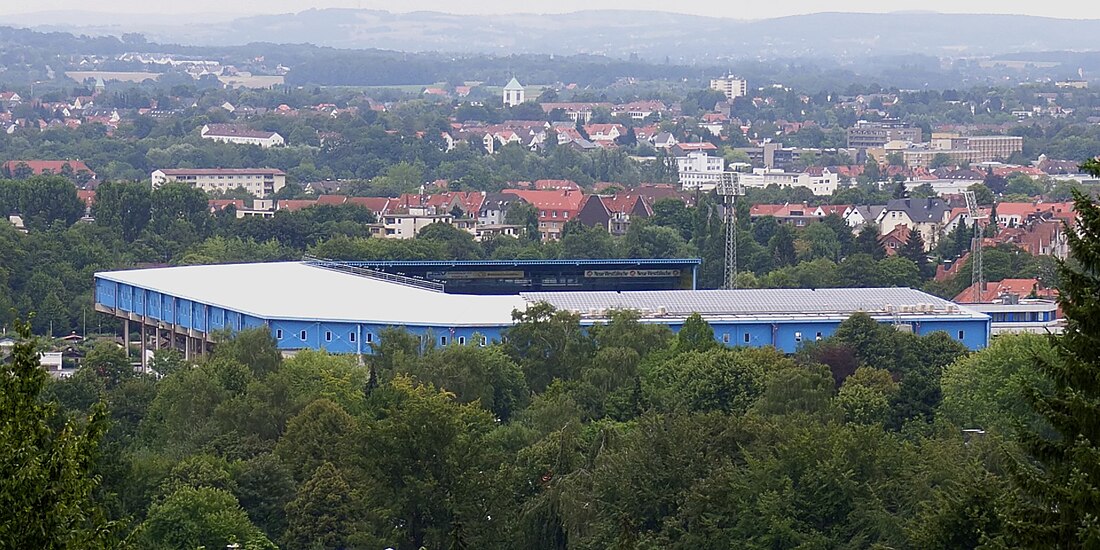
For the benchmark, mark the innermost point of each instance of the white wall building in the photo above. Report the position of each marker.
(731, 86)
(513, 93)
(241, 135)
(699, 170)
(260, 182)
(823, 184)
(407, 224)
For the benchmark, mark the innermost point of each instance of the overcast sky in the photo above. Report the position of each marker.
(1089, 9)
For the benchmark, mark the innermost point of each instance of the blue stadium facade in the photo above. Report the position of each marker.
(342, 309)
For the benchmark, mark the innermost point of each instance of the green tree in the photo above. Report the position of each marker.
(315, 436)
(321, 515)
(914, 251)
(201, 517)
(986, 390)
(1058, 484)
(126, 207)
(426, 459)
(46, 480)
(867, 242)
(547, 344)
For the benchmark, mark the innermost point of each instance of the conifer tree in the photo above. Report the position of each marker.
(46, 480)
(914, 250)
(1059, 481)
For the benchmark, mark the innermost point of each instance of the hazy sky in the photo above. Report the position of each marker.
(725, 8)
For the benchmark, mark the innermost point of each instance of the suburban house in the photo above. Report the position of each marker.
(495, 206)
(555, 208)
(925, 215)
(614, 213)
(260, 182)
(241, 135)
(604, 132)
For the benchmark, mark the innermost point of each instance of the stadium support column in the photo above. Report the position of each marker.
(126, 336)
(144, 361)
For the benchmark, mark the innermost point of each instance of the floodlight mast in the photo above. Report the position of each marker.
(977, 272)
(729, 187)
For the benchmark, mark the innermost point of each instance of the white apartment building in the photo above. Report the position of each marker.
(406, 225)
(260, 182)
(241, 135)
(824, 183)
(731, 86)
(699, 170)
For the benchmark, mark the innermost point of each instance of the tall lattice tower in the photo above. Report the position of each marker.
(729, 188)
(977, 275)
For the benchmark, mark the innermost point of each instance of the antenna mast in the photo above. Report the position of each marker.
(977, 276)
(729, 187)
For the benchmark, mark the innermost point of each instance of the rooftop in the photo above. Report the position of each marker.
(299, 291)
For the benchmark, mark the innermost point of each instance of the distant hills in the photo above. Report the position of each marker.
(651, 36)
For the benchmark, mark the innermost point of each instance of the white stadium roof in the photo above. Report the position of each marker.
(298, 291)
(294, 290)
(760, 302)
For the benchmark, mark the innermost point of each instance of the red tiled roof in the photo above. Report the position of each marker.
(221, 204)
(294, 205)
(1020, 287)
(331, 199)
(87, 196)
(236, 130)
(53, 166)
(220, 171)
(565, 199)
(378, 205)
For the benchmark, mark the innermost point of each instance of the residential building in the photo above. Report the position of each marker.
(992, 148)
(513, 93)
(866, 135)
(614, 213)
(575, 111)
(698, 170)
(731, 86)
(555, 208)
(494, 209)
(925, 215)
(821, 181)
(406, 224)
(260, 182)
(241, 135)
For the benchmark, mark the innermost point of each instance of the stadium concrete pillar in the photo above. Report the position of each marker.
(186, 345)
(126, 337)
(144, 361)
(156, 337)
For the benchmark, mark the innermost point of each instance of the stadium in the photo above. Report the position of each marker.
(340, 307)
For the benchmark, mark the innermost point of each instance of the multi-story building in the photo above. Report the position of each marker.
(866, 135)
(260, 182)
(698, 170)
(405, 225)
(732, 86)
(555, 207)
(820, 181)
(991, 148)
(241, 135)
